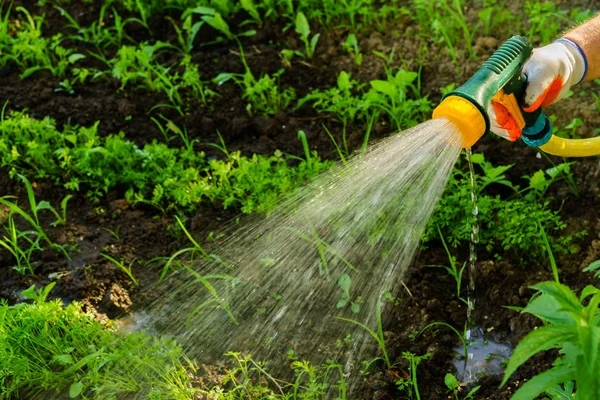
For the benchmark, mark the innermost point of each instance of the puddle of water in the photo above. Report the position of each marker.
(485, 357)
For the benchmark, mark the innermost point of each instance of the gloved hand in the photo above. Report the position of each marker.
(551, 71)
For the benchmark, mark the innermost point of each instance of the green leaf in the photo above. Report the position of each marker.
(343, 81)
(217, 22)
(355, 308)
(587, 291)
(43, 205)
(29, 293)
(537, 180)
(302, 26)
(541, 339)
(63, 359)
(404, 78)
(477, 158)
(541, 383)
(342, 302)
(563, 294)
(75, 390)
(345, 282)
(75, 57)
(198, 10)
(384, 87)
(451, 381)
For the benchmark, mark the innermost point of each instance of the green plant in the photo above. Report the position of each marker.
(351, 46)
(54, 352)
(249, 379)
(176, 178)
(344, 284)
(571, 324)
(303, 29)
(452, 384)
(174, 262)
(31, 52)
(411, 385)
(508, 223)
(122, 267)
(539, 184)
(31, 238)
(264, 95)
(378, 336)
(453, 269)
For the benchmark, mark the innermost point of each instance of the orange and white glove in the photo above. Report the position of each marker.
(551, 71)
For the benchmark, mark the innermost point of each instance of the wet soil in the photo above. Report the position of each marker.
(140, 234)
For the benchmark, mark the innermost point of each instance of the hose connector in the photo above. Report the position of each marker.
(539, 133)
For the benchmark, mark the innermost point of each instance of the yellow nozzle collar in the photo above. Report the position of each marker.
(465, 115)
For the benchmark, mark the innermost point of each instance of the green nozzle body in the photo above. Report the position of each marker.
(467, 106)
(497, 72)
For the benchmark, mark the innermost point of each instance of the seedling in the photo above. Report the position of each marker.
(378, 336)
(453, 385)
(122, 267)
(411, 385)
(303, 29)
(453, 269)
(344, 284)
(351, 46)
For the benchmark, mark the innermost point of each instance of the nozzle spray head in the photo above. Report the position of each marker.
(500, 78)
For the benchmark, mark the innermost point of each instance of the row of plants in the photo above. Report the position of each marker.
(166, 177)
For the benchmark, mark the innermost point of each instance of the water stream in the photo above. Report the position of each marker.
(484, 354)
(335, 249)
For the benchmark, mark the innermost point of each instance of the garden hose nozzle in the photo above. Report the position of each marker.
(499, 78)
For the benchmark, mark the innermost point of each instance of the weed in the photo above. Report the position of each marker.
(31, 52)
(264, 94)
(249, 379)
(344, 284)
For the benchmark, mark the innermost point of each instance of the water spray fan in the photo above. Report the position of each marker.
(501, 79)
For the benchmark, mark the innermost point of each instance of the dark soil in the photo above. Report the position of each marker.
(140, 234)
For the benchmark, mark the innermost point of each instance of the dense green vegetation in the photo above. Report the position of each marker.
(51, 349)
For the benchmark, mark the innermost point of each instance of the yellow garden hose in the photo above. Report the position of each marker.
(558, 146)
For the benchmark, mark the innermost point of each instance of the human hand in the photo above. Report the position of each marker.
(551, 72)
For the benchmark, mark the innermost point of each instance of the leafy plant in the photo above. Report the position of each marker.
(264, 95)
(506, 223)
(50, 351)
(411, 385)
(453, 270)
(351, 46)
(452, 384)
(122, 267)
(82, 160)
(32, 238)
(571, 324)
(378, 336)
(303, 29)
(344, 284)
(31, 52)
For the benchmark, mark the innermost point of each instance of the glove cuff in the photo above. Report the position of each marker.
(580, 67)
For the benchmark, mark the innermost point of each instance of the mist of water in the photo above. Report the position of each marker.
(334, 249)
